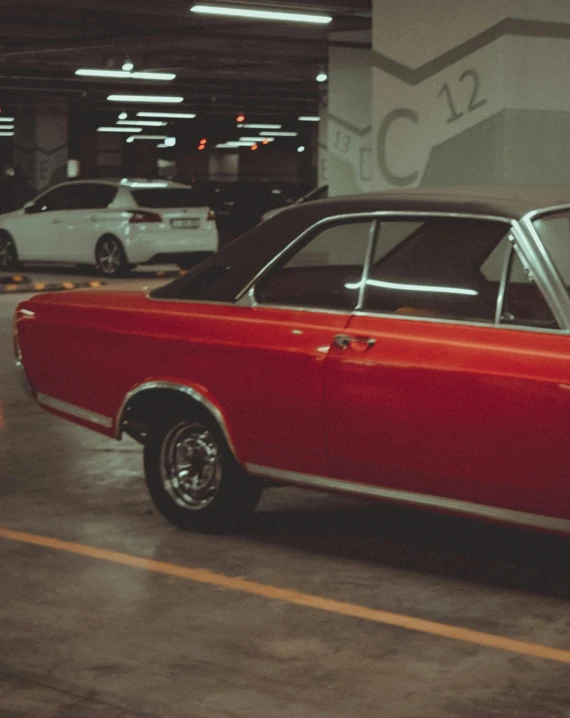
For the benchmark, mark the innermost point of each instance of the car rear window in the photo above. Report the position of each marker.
(175, 197)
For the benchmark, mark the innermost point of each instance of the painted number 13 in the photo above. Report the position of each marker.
(474, 100)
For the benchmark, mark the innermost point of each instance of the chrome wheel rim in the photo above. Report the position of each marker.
(7, 252)
(191, 465)
(109, 256)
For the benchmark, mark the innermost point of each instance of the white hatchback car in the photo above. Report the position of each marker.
(113, 225)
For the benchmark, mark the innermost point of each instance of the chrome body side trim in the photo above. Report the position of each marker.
(23, 377)
(456, 505)
(77, 411)
(172, 386)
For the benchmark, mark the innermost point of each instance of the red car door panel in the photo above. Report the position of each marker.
(263, 367)
(468, 412)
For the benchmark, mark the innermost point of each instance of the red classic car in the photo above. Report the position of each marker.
(411, 346)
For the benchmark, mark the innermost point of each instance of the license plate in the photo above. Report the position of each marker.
(192, 223)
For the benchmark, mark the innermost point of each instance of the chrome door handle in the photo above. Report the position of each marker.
(343, 341)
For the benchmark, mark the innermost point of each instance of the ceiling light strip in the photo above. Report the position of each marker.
(145, 123)
(173, 115)
(124, 75)
(145, 98)
(255, 14)
(119, 129)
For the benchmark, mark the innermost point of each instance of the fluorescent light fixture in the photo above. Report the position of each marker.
(251, 139)
(145, 98)
(6, 119)
(251, 126)
(84, 72)
(236, 143)
(310, 118)
(144, 75)
(6, 134)
(170, 142)
(123, 75)
(261, 14)
(123, 116)
(119, 129)
(274, 133)
(146, 123)
(173, 115)
(147, 137)
(7, 127)
(413, 287)
(146, 185)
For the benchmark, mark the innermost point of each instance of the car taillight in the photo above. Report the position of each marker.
(138, 217)
(211, 216)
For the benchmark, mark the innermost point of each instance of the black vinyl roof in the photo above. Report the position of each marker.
(222, 276)
(510, 201)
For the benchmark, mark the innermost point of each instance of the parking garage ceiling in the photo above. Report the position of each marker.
(223, 65)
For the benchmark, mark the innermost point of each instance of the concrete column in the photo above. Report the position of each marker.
(40, 145)
(470, 92)
(346, 161)
(223, 166)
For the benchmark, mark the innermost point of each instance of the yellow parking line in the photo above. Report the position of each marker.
(202, 575)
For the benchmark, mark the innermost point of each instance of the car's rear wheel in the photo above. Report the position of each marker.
(193, 478)
(110, 257)
(8, 253)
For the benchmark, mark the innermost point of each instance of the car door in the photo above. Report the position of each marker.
(427, 395)
(275, 403)
(38, 229)
(84, 221)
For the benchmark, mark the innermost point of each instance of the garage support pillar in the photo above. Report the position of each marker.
(40, 146)
(470, 92)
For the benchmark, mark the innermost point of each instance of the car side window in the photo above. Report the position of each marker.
(56, 199)
(325, 271)
(434, 268)
(524, 304)
(90, 196)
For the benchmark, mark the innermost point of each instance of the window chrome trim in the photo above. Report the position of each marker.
(410, 497)
(556, 289)
(73, 410)
(505, 274)
(184, 389)
(333, 219)
(372, 242)
(460, 322)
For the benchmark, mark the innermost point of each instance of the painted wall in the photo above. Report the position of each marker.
(345, 164)
(470, 92)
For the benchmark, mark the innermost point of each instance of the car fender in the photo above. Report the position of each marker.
(198, 393)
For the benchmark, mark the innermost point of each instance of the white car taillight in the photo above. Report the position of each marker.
(140, 217)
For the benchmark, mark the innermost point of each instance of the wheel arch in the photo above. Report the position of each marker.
(139, 406)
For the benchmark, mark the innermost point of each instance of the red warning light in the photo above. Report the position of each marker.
(240, 118)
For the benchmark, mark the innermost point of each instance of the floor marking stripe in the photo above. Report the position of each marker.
(201, 575)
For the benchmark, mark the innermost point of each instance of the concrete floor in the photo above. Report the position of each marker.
(82, 637)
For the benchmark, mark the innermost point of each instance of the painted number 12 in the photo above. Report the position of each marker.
(474, 100)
